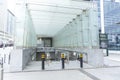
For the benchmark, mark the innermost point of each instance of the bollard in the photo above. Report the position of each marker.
(43, 61)
(107, 52)
(81, 60)
(63, 61)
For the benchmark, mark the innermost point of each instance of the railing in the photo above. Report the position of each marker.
(45, 49)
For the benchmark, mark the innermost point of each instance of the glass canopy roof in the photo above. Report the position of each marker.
(49, 16)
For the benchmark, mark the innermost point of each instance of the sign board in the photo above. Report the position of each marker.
(103, 41)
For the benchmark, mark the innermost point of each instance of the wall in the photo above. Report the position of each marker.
(20, 58)
(25, 38)
(16, 60)
(3, 18)
(7, 20)
(81, 32)
(30, 38)
(25, 32)
(95, 57)
(28, 54)
(3, 13)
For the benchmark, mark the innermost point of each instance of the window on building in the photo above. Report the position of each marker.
(10, 23)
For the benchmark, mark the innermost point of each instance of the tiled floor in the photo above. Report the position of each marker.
(55, 65)
(48, 75)
(33, 71)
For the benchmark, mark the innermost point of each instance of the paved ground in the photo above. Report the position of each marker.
(113, 60)
(111, 71)
(48, 75)
(56, 65)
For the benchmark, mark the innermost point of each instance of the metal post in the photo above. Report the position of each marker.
(63, 65)
(102, 16)
(81, 60)
(1, 76)
(63, 62)
(43, 61)
(107, 52)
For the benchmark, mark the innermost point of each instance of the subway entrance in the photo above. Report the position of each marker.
(49, 58)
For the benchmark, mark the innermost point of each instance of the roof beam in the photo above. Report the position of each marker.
(54, 12)
(51, 5)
